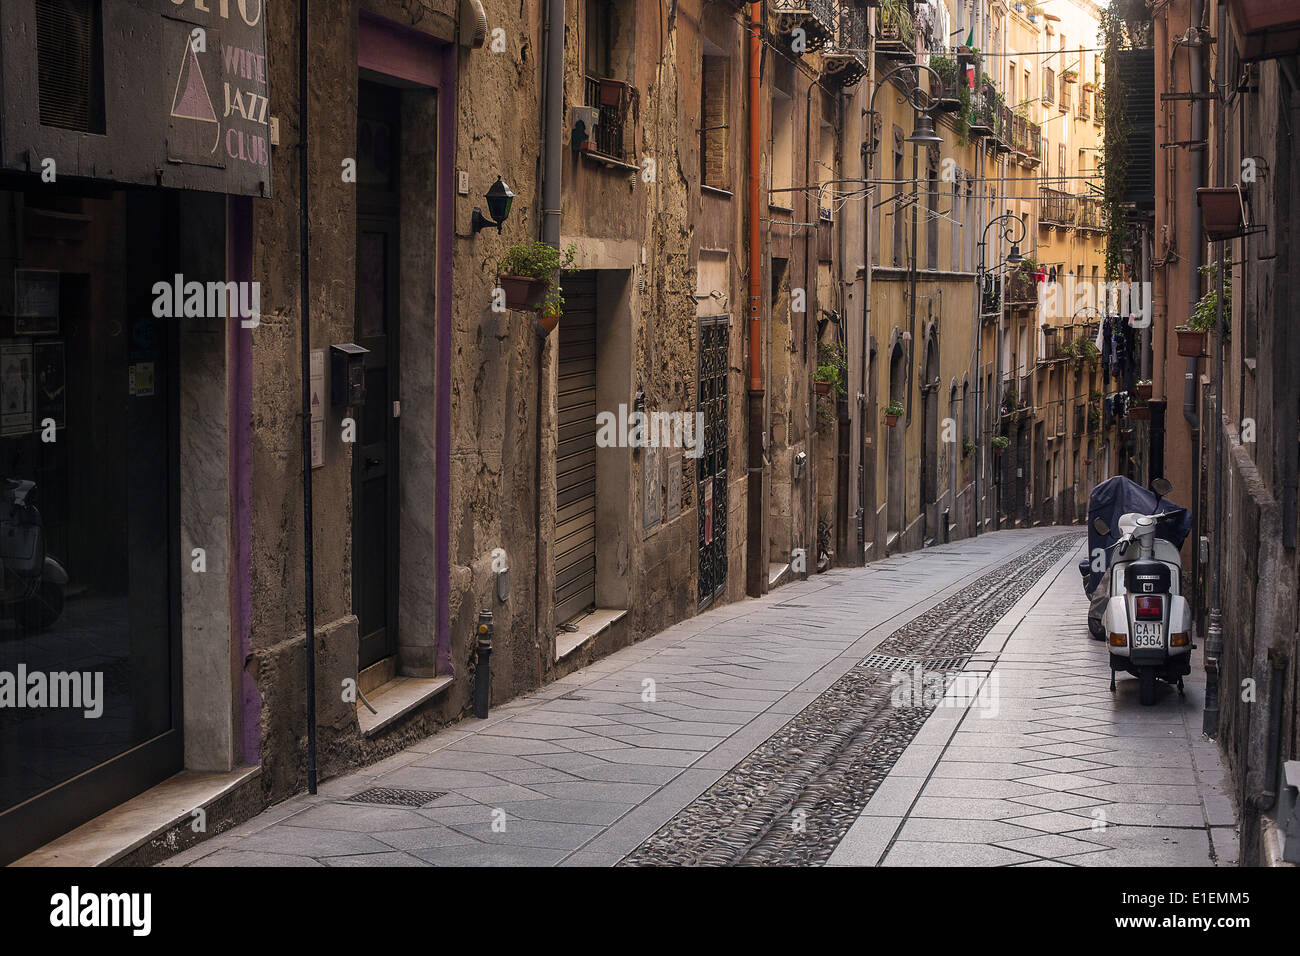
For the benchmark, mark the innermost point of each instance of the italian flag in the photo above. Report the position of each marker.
(970, 67)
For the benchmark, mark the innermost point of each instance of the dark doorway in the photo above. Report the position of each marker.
(895, 445)
(375, 454)
(711, 468)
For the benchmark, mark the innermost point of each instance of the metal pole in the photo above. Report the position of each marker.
(308, 563)
(1214, 629)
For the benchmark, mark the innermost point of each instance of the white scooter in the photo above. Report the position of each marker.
(1147, 621)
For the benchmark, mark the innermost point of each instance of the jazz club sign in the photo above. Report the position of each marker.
(180, 96)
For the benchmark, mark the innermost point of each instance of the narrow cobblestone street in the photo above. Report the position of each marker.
(764, 732)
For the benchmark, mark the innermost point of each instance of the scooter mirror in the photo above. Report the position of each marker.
(1101, 526)
(1162, 486)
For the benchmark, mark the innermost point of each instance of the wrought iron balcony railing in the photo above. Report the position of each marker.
(815, 17)
(844, 58)
(611, 98)
(1058, 208)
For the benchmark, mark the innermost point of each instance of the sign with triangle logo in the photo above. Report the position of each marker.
(191, 99)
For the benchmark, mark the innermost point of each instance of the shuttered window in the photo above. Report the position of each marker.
(70, 64)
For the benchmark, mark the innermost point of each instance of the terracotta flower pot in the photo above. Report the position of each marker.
(1191, 342)
(1140, 413)
(523, 293)
(611, 92)
(1224, 213)
(1142, 391)
(891, 420)
(823, 388)
(546, 322)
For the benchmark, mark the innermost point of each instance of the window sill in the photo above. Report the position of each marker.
(595, 623)
(718, 191)
(395, 699)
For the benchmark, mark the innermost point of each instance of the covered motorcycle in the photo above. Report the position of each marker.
(1110, 500)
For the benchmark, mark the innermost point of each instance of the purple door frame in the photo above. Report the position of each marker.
(239, 399)
(401, 52)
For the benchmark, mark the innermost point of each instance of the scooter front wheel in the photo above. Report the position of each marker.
(42, 609)
(1147, 686)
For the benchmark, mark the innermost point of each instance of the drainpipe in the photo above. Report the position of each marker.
(864, 400)
(1214, 628)
(304, 336)
(552, 178)
(756, 568)
(552, 135)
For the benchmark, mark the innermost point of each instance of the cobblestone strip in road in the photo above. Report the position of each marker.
(793, 799)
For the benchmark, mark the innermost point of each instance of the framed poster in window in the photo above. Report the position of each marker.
(36, 302)
(15, 387)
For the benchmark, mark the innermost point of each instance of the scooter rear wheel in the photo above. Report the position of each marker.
(1147, 686)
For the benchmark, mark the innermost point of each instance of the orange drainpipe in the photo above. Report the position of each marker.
(755, 536)
(755, 155)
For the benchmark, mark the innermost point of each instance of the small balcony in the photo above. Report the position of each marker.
(895, 29)
(844, 58)
(817, 19)
(1058, 209)
(984, 111)
(1025, 137)
(1091, 217)
(991, 297)
(1022, 287)
(611, 98)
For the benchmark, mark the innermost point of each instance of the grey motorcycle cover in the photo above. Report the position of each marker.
(1119, 496)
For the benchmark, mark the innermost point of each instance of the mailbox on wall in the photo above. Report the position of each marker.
(347, 374)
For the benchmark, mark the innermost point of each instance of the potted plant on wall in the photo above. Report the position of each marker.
(830, 369)
(892, 412)
(1139, 410)
(528, 273)
(967, 447)
(1142, 389)
(1070, 76)
(1191, 337)
(1000, 443)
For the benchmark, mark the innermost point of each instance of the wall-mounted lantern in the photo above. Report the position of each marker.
(499, 197)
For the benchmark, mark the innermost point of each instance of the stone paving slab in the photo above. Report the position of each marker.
(584, 770)
(1064, 772)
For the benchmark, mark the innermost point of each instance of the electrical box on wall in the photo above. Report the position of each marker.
(347, 374)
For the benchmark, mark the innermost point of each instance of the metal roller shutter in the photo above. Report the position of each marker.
(575, 452)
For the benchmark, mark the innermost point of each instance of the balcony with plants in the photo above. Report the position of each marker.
(986, 108)
(895, 29)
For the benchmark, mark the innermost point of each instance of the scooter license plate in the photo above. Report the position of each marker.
(1148, 634)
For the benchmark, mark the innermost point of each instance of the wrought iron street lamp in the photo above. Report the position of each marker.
(1012, 231)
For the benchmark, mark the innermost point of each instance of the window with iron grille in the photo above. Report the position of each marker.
(70, 64)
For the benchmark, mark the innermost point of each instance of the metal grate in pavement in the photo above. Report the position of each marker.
(884, 662)
(393, 797)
